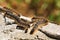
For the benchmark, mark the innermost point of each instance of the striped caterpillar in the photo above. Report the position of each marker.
(37, 22)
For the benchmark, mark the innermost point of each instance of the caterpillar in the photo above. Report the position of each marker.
(37, 22)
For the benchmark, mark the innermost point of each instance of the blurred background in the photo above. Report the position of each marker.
(46, 8)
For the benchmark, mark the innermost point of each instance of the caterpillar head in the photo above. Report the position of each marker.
(41, 20)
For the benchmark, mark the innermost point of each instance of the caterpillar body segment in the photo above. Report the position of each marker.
(21, 23)
(13, 10)
(38, 24)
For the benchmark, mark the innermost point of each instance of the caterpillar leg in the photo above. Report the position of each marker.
(6, 22)
(34, 29)
(5, 17)
(20, 27)
(26, 30)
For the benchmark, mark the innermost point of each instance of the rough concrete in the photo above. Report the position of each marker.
(9, 32)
